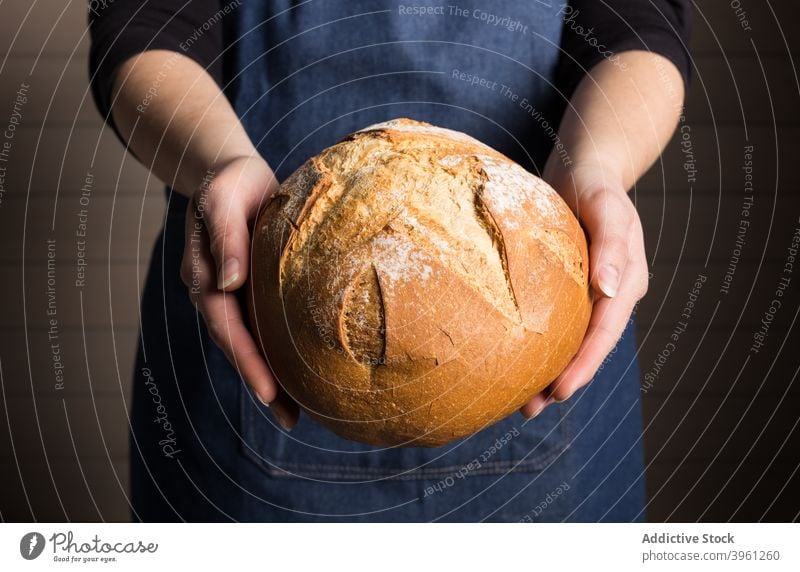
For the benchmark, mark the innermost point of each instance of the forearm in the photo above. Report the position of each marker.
(176, 119)
(620, 117)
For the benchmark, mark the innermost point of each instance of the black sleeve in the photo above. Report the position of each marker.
(598, 29)
(124, 28)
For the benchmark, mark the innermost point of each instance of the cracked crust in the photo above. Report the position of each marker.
(412, 286)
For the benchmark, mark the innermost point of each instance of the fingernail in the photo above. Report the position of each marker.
(263, 402)
(562, 400)
(228, 274)
(542, 408)
(535, 413)
(608, 280)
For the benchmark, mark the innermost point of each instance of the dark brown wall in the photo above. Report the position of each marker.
(722, 439)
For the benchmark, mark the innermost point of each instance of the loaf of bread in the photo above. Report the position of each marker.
(411, 285)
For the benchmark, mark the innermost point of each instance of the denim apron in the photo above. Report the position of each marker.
(301, 75)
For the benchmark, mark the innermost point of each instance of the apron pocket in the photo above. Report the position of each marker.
(311, 451)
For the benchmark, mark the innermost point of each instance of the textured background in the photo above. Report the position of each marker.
(722, 439)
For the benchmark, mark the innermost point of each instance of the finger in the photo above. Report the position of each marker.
(536, 405)
(223, 316)
(193, 252)
(229, 238)
(222, 313)
(285, 410)
(607, 215)
(226, 328)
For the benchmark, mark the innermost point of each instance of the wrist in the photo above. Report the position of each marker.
(237, 165)
(580, 177)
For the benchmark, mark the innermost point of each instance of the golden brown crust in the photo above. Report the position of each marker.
(412, 285)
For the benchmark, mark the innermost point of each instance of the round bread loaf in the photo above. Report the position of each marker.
(411, 285)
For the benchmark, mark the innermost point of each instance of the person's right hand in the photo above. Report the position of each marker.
(216, 260)
(618, 267)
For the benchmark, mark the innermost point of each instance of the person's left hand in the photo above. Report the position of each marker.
(618, 267)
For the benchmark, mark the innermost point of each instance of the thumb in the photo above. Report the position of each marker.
(607, 216)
